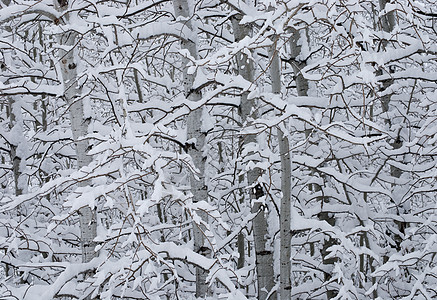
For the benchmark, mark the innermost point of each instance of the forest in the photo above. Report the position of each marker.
(218, 149)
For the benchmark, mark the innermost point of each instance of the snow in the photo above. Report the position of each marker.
(377, 196)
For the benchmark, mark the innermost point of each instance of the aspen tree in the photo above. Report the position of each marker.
(264, 256)
(194, 133)
(285, 215)
(79, 125)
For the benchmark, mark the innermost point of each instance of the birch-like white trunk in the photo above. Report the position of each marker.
(15, 156)
(298, 65)
(284, 218)
(15, 159)
(79, 128)
(264, 256)
(194, 132)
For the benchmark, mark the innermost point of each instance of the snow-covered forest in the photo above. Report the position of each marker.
(218, 149)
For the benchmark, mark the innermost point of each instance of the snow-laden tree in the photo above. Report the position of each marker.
(132, 168)
(169, 124)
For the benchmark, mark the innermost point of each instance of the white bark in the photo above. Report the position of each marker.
(387, 24)
(79, 128)
(297, 65)
(16, 159)
(264, 256)
(284, 218)
(194, 132)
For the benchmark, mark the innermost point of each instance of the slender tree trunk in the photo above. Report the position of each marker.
(194, 131)
(297, 65)
(264, 256)
(16, 129)
(79, 128)
(388, 20)
(285, 216)
(302, 90)
(16, 159)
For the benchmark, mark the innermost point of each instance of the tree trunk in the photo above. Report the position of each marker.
(264, 256)
(17, 131)
(302, 90)
(284, 218)
(194, 132)
(79, 128)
